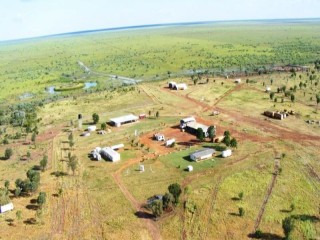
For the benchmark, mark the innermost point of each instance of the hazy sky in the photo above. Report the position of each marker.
(29, 18)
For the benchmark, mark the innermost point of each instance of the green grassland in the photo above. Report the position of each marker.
(33, 65)
(100, 200)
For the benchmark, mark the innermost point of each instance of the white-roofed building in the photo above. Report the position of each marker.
(202, 154)
(117, 122)
(110, 154)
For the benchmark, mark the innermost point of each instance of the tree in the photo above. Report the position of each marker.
(212, 132)
(41, 200)
(8, 153)
(318, 99)
(167, 200)
(95, 118)
(227, 140)
(70, 137)
(73, 163)
(292, 97)
(241, 211)
(233, 143)
(103, 126)
(240, 195)
(33, 137)
(19, 215)
(7, 184)
(157, 114)
(28, 155)
(4, 198)
(43, 163)
(17, 192)
(288, 225)
(200, 134)
(157, 208)
(175, 190)
(292, 207)
(271, 95)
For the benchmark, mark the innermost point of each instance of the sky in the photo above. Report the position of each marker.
(32, 18)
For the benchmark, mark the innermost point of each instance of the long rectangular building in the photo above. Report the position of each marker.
(117, 122)
(202, 154)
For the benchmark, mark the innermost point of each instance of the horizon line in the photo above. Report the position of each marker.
(148, 26)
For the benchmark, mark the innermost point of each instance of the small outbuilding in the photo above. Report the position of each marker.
(202, 154)
(226, 153)
(117, 147)
(85, 134)
(238, 80)
(170, 142)
(190, 168)
(117, 122)
(159, 137)
(6, 207)
(180, 86)
(171, 84)
(142, 116)
(92, 128)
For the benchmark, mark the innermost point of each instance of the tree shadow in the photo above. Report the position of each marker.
(30, 221)
(144, 215)
(3, 159)
(234, 214)
(36, 168)
(235, 199)
(10, 221)
(266, 236)
(285, 211)
(59, 174)
(55, 195)
(32, 207)
(304, 217)
(33, 201)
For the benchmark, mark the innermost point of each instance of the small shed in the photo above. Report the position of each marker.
(238, 80)
(141, 168)
(142, 116)
(92, 128)
(190, 168)
(180, 86)
(102, 132)
(159, 137)
(268, 89)
(85, 134)
(6, 207)
(117, 147)
(172, 84)
(202, 154)
(170, 142)
(226, 153)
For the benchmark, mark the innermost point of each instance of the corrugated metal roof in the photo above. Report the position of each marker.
(188, 119)
(203, 152)
(196, 125)
(126, 118)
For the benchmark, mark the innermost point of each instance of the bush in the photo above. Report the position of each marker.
(8, 153)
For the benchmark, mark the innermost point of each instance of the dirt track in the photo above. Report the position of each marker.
(149, 222)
